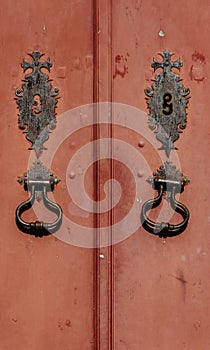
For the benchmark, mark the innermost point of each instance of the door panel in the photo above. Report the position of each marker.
(161, 287)
(46, 294)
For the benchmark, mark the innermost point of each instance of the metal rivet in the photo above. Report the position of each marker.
(141, 144)
(140, 173)
(72, 174)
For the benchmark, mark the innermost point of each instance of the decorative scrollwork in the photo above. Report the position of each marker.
(37, 101)
(167, 101)
(37, 172)
(39, 175)
(168, 171)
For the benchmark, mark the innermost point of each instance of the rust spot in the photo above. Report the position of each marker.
(197, 68)
(121, 67)
(197, 56)
(118, 59)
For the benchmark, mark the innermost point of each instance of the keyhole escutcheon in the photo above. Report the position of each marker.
(167, 104)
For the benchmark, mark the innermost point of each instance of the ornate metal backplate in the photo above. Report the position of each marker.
(37, 102)
(170, 175)
(167, 102)
(38, 175)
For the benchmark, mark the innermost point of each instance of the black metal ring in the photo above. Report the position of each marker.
(38, 228)
(164, 229)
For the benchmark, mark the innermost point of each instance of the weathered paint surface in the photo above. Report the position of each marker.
(143, 293)
(162, 288)
(46, 292)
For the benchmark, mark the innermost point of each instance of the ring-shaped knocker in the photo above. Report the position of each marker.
(167, 181)
(38, 181)
(38, 228)
(164, 229)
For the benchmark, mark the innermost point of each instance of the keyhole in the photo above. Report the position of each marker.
(37, 107)
(167, 106)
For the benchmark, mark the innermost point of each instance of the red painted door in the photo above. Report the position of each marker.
(47, 285)
(161, 287)
(102, 281)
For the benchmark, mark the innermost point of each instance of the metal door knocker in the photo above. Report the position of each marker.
(37, 101)
(167, 101)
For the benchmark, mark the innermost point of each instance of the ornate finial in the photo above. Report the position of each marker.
(166, 64)
(36, 64)
(167, 101)
(37, 102)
